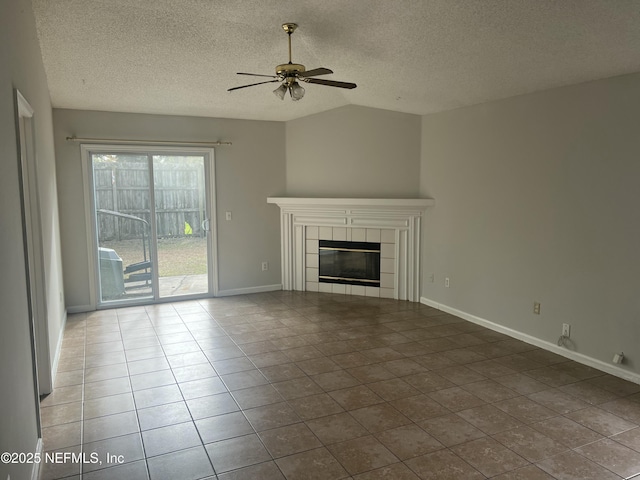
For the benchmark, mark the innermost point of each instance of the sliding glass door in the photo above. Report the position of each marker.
(181, 222)
(152, 223)
(122, 213)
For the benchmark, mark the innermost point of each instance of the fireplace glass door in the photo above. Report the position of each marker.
(352, 263)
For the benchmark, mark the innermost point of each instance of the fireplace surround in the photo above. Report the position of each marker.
(394, 223)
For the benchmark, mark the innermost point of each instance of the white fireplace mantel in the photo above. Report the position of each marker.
(400, 215)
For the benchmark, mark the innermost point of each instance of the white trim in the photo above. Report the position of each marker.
(33, 244)
(39, 451)
(549, 346)
(244, 291)
(212, 234)
(391, 203)
(80, 309)
(56, 360)
(92, 272)
(153, 236)
(430, 303)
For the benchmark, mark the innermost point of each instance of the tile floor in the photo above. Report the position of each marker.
(316, 386)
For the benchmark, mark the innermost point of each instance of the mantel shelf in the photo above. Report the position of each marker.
(311, 202)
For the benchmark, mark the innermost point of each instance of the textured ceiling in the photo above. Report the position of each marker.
(180, 56)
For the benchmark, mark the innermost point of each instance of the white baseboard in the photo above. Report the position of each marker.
(56, 357)
(35, 470)
(247, 290)
(219, 293)
(81, 309)
(549, 346)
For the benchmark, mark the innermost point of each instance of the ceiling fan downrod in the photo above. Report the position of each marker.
(289, 28)
(289, 70)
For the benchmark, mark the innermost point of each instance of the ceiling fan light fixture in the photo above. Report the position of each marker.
(280, 91)
(296, 90)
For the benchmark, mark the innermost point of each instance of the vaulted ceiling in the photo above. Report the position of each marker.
(179, 57)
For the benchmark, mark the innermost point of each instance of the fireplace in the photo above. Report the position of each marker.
(349, 263)
(393, 223)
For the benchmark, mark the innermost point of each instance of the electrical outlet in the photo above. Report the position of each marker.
(566, 330)
(265, 266)
(536, 308)
(432, 278)
(446, 282)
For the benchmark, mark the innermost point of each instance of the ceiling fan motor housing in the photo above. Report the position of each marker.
(289, 69)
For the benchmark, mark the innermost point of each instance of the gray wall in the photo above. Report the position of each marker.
(537, 200)
(376, 152)
(247, 172)
(22, 69)
(354, 152)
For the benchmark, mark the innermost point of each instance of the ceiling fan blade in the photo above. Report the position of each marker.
(256, 75)
(315, 72)
(330, 83)
(252, 84)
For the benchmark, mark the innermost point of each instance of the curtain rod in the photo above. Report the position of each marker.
(145, 142)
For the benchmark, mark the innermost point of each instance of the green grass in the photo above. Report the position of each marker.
(176, 256)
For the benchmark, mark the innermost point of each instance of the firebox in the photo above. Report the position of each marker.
(352, 263)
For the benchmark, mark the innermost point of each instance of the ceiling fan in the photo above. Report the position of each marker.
(289, 74)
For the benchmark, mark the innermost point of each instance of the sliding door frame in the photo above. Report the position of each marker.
(91, 228)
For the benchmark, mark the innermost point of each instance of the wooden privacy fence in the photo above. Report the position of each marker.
(179, 199)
